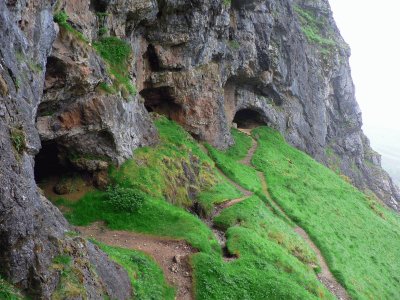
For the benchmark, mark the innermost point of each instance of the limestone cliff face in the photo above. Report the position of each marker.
(32, 230)
(206, 64)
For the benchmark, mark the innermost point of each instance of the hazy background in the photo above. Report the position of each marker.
(372, 29)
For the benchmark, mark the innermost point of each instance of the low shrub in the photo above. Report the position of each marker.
(124, 199)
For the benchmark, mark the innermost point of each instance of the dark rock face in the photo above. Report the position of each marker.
(202, 63)
(32, 230)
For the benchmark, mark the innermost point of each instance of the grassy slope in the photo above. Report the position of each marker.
(270, 253)
(150, 173)
(266, 268)
(146, 276)
(266, 265)
(228, 162)
(359, 238)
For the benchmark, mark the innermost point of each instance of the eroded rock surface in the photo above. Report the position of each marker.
(32, 230)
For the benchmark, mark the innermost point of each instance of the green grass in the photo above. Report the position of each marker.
(242, 145)
(18, 139)
(264, 270)
(157, 173)
(244, 175)
(61, 18)
(253, 214)
(9, 292)
(217, 194)
(146, 276)
(228, 162)
(156, 216)
(356, 235)
(313, 29)
(116, 53)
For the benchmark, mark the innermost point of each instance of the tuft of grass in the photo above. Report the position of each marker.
(356, 237)
(234, 45)
(62, 260)
(124, 199)
(107, 88)
(18, 139)
(61, 18)
(146, 276)
(70, 284)
(116, 53)
(8, 291)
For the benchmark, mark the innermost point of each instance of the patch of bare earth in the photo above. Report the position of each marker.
(171, 255)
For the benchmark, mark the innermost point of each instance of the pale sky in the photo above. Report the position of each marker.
(372, 29)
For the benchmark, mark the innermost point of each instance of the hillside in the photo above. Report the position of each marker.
(265, 253)
(168, 149)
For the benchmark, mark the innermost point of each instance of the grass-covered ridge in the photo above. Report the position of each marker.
(356, 235)
(272, 259)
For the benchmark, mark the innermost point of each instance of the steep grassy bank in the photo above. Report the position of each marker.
(357, 236)
(268, 259)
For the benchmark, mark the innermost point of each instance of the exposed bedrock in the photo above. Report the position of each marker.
(32, 230)
(203, 61)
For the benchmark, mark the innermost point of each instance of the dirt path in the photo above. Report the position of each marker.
(171, 255)
(325, 276)
(218, 233)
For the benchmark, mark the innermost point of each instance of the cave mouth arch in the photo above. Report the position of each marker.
(49, 162)
(160, 100)
(248, 118)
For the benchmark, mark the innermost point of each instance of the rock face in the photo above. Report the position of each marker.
(283, 63)
(209, 65)
(32, 230)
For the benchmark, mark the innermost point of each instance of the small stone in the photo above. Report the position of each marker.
(177, 259)
(174, 268)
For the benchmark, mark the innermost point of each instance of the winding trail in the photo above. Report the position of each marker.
(325, 276)
(171, 255)
(219, 234)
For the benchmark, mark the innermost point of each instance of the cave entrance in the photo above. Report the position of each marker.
(48, 163)
(161, 101)
(99, 5)
(249, 119)
(56, 176)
